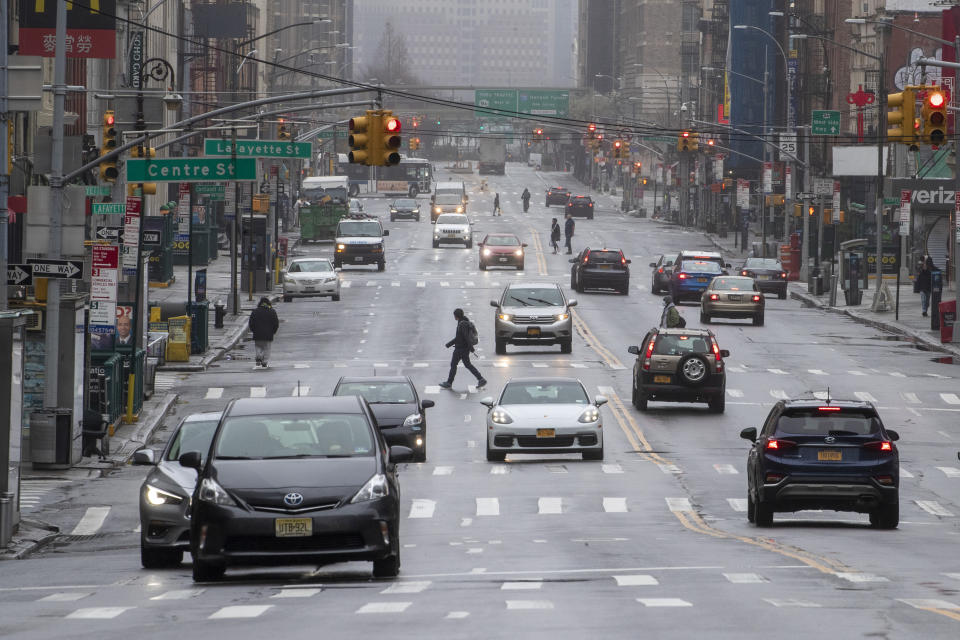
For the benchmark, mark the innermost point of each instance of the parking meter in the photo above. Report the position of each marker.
(936, 292)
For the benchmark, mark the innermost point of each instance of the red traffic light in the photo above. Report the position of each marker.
(109, 119)
(685, 134)
(591, 127)
(936, 99)
(617, 144)
(392, 125)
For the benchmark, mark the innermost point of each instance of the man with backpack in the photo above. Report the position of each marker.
(671, 318)
(463, 344)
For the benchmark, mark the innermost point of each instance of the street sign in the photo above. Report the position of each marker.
(788, 144)
(151, 237)
(97, 191)
(109, 233)
(825, 123)
(108, 208)
(69, 269)
(823, 186)
(209, 189)
(190, 169)
(804, 195)
(329, 134)
(19, 274)
(533, 102)
(257, 148)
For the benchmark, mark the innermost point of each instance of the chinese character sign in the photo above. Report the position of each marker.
(90, 28)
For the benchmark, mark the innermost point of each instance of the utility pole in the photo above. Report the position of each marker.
(956, 213)
(4, 160)
(807, 182)
(766, 155)
(684, 172)
(879, 303)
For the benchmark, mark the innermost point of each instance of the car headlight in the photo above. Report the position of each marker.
(375, 488)
(459, 209)
(437, 210)
(287, 280)
(211, 491)
(562, 316)
(499, 416)
(413, 420)
(330, 278)
(518, 252)
(590, 414)
(487, 252)
(466, 234)
(157, 496)
(393, 210)
(506, 317)
(341, 247)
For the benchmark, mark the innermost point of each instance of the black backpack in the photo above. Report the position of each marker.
(472, 336)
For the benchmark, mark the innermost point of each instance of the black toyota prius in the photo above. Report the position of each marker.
(306, 480)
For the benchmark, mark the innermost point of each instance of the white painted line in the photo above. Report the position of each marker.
(384, 607)
(950, 472)
(499, 470)
(904, 473)
(955, 576)
(737, 369)
(791, 602)
(179, 594)
(910, 397)
(950, 398)
(861, 577)
(855, 373)
(745, 578)
(381, 365)
(488, 506)
(302, 390)
(540, 365)
(930, 603)
(548, 506)
(779, 394)
(679, 504)
(91, 521)
(735, 393)
(98, 613)
(663, 602)
(214, 393)
(520, 605)
(556, 468)
(615, 505)
(501, 364)
(611, 468)
(466, 522)
(944, 433)
(636, 581)
(727, 469)
(64, 597)
(296, 593)
(421, 284)
(241, 611)
(532, 585)
(933, 508)
(578, 365)
(371, 283)
(407, 587)
(422, 508)
(471, 444)
(442, 471)
(469, 284)
(301, 365)
(258, 392)
(897, 374)
(431, 388)
(669, 468)
(866, 396)
(394, 283)
(421, 365)
(467, 418)
(444, 284)
(345, 284)
(779, 372)
(818, 372)
(457, 615)
(738, 504)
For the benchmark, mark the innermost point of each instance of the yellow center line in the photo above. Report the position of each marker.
(943, 612)
(538, 251)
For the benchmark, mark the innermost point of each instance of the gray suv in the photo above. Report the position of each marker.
(533, 313)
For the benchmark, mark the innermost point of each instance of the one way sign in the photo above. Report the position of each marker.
(109, 233)
(19, 274)
(70, 269)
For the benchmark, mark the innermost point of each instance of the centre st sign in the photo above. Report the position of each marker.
(257, 148)
(190, 169)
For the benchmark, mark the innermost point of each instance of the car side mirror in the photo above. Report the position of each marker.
(426, 404)
(494, 303)
(191, 460)
(283, 272)
(573, 261)
(144, 457)
(524, 244)
(399, 453)
(600, 400)
(487, 401)
(386, 232)
(572, 303)
(634, 350)
(724, 353)
(894, 436)
(750, 433)
(653, 264)
(629, 261)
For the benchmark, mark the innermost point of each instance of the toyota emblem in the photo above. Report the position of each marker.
(292, 499)
(829, 439)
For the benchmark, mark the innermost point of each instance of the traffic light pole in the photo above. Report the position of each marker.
(878, 293)
(956, 213)
(4, 176)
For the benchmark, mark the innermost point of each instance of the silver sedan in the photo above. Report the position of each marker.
(544, 415)
(310, 277)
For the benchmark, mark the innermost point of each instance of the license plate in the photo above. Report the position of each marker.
(545, 433)
(451, 235)
(358, 258)
(503, 259)
(733, 298)
(830, 456)
(665, 379)
(701, 279)
(604, 266)
(533, 331)
(763, 277)
(293, 527)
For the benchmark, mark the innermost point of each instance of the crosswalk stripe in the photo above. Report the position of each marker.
(866, 396)
(64, 597)
(540, 365)
(791, 602)
(911, 398)
(933, 508)
(91, 521)
(214, 393)
(412, 586)
(679, 504)
(442, 471)
(904, 473)
(371, 283)
(779, 372)
(394, 284)
(725, 469)
(664, 602)
(300, 390)
(738, 504)
(499, 469)
(240, 611)
(179, 594)
(421, 284)
(384, 607)
(444, 284)
(779, 394)
(950, 472)
(950, 398)
(611, 468)
(615, 505)
(930, 603)
(301, 365)
(422, 508)
(258, 392)
(857, 373)
(897, 374)
(530, 585)
(296, 593)
(345, 284)
(745, 578)
(548, 506)
(818, 372)
(578, 365)
(639, 580)
(488, 506)
(737, 369)
(735, 393)
(670, 468)
(98, 613)
(861, 577)
(457, 615)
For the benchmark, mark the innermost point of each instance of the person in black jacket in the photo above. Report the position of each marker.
(263, 324)
(496, 204)
(555, 235)
(568, 228)
(923, 283)
(462, 348)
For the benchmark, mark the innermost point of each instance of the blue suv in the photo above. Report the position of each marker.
(691, 277)
(815, 454)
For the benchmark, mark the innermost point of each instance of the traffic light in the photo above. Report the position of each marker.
(711, 142)
(283, 130)
(414, 144)
(934, 118)
(684, 141)
(538, 131)
(694, 141)
(617, 148)
(389, 147)
(360, 140)
(592, 128)
(108, 168)
(901, 116)
(148, 188)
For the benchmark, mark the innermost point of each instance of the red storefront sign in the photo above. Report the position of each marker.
(91, 28)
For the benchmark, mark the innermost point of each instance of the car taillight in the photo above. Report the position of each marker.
(682, 276)
(756, 298)
(783, 274)
(772, 478)
(660, 270)
(591, 204)
(780, 445)
(647, 356)
(828, 409)
(623, 260)
(716, 351)
(569, 204)
(714, 296)
(885, 479)
(879, 445)
(586, 258)
(744, 273)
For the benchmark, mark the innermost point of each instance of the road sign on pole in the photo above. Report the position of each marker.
(69, 269)
(190, 169)
(257, 148)
(19, 274)
(825, 123)
(108, 208)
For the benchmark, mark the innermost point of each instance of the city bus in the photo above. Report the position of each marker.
(411, 177)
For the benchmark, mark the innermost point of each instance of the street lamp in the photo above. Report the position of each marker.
(666, 86)
(279, 29)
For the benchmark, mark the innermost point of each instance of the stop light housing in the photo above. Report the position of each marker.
(389, 150)
(901, 114)
(617, 148)
(414, 143)
(360, 139)
(283, 130)
(685, 141)
(933, 117)
(108, 168)
(591, 128)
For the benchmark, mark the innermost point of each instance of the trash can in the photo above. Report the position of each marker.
(852, 297)
(51, 436)
(219, 311)
(948, 315)
(815, 283)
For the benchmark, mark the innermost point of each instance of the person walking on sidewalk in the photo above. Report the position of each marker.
(462, 344)
(496, 204)
(568, 228)
(923, 285)
(555, 235)
(263, 324)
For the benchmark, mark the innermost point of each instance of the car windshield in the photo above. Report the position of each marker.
(295, 436)
(604, 257)
(668, 345)
(337, 195)
(533, 297)
(192, 436)
(668, 260)
(452, 219)
(359, 228)
(733, 284)
(698, 266)
(311, 266)
(404, 204)
(544, 393)
(559, 190)
(502, 241)
(762, 263)
(827, 423)
(448, 198)
(378, 392)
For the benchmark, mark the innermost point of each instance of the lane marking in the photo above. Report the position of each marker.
(910, 397)
(457, 615)
(442, 471)
(422, 508)
(64, 597)
(301, 390)
(526, 605)
(904, 473)
(856, 373)
(735, 393)
(745, 578)
(636, 581)
(670, 468)
(779, 394)
(488, 507)
(940, 607)
(791, 602)
(214, 393)
(679, 504)
(725, 469)
(738, 504)
(861, 577)
(547, 506)
(532, 585)
(384, 607)
(615, 505)
(818, 372)
(179, 594)
(779, 372)
(950, 398)
(499, 470)
(421, 284)
(865, 396)
(611, 468)
(301, 365)
(98, 613)
(296, 593)
(664, 602)
(934, 508)
(91, 521)
(415, 586)
(950, 472)
(258, 392)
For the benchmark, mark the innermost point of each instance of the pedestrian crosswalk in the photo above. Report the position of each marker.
(32, 492)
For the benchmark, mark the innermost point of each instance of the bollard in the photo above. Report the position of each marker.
(219, 311)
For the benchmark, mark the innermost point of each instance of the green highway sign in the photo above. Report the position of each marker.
(190, 169)
(825, 123)
(108, 208)
(528, 102)
(257, 148)
(502, 99)
(97, 191)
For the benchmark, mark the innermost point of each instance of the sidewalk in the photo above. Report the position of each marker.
(910, 324)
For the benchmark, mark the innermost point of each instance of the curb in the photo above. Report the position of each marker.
(31, 536)
(141, 436)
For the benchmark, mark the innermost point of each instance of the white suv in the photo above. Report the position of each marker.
(453, 227)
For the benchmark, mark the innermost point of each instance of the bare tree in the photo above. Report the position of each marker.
(392, 63)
